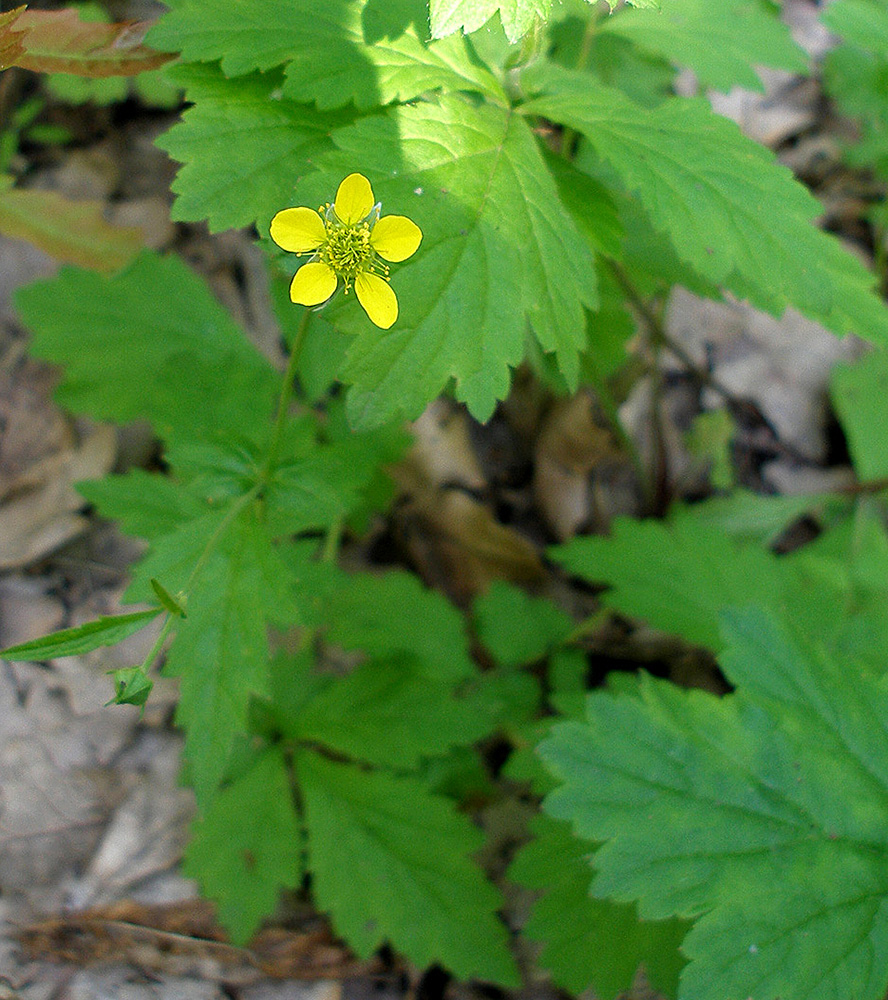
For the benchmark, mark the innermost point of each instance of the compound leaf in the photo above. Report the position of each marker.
(761, 815)
(589, 942)
(390, 862)
(730, 210)
(499, 251)
(720, 40)
(241, 147)
(221, 648)
(390, 714)
(332, 53)
(677, 575)
(150, 343)
(517, 16)
(518, 629)
(246, 846)
(394, 613)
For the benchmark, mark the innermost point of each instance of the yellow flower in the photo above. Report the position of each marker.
(347, 240)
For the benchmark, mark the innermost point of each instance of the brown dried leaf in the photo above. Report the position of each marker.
(41, 511)
(71, 231)
(11, 47)
(58, 41)
(155, 935)
(580, 474)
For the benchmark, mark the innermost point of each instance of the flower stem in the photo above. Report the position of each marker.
(280, 420)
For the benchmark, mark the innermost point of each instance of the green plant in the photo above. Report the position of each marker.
(556, 182)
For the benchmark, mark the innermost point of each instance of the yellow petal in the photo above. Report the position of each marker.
(298, 230)
(379, 301)
(395, 237)
(312, 284)
(354, 199)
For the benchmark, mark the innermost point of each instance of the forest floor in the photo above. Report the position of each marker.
(92, 817)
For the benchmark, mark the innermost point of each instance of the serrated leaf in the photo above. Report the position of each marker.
(589, 942)
(318, 489)
(146, 505)
(390, 862)
(517, 16)
(71, 231)
(221, 648)
(105, 631)
(516, 628)
(730, 210)
(246, 847)
(150, 343)
(858, 393)
(720, 40)
(499, 251)
(388, 713)
(358, 65)
(761, 815)
(752, 517)
(58, 41)
(677, 575)
(590, 205)
(394, 613)
(241, 147)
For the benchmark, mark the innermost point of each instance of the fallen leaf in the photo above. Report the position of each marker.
(59, 42)
(72, 231)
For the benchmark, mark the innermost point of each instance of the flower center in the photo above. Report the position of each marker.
(347, 250)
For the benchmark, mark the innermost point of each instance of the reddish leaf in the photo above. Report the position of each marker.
(59, 42)
(11, 46)
(72, 231)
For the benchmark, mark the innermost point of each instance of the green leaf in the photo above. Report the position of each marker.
(329, 482)
(858, 393)
(390, 862)
(105, 631)
(166, 599)
(221, 649)
(720, 40)
(761, 815)
(590, 205)
(677, 575)
(518, 629)
(246, 847)
(388, 713)
(588, 942)
(858, 81)
(860, 22)
(751, 517)
(517, 16)
(150, 343)
(499, 251)
(709, 440)
(730, 210)
(394, 613)
(336, 54)
(146, 505)
(241, 146)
